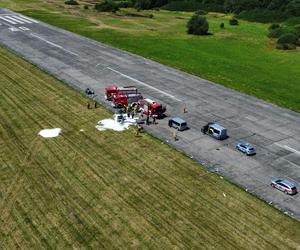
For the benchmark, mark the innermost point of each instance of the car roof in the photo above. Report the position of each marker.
(217, 126)
(178, 119)
(246, 144)
(286, 182)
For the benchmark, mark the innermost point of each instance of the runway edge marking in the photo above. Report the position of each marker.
(288, 148)
(53, 44)
(145, 84)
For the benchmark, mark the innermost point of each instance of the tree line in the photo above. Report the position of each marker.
(253, 10)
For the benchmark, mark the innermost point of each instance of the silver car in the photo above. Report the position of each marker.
(284, 186)
(245, 148)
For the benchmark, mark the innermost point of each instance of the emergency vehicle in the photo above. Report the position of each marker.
(124, 100)
(151, 107)
(111, 91)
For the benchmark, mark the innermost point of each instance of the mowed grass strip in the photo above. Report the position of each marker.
(111, 189)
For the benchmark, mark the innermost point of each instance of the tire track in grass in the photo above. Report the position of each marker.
(9, 198)
(69, 201)
(131, 204)
(89, 191)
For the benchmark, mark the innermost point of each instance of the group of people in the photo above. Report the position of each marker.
(132, 110)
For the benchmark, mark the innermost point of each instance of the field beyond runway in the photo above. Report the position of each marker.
(111, 190)
(83, 63)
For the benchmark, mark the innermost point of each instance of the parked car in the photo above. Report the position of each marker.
(284, 186)
(215, 130)
(178, 123)
(245, 148)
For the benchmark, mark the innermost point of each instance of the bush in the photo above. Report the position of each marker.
(285, 46)
(201, 12)
(107, 6)
(197, 25)
(222, 25)
(71, 2)
(277, 32)
(262, 15)
(288, 38)
(293, 8)
(86, 7)
(233, 21)
(274, 26)
(124, 4)
(292, 21)
(142, 4)
(183, 6)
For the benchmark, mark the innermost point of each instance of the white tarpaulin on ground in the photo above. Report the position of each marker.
(116, 124)
(50, 133)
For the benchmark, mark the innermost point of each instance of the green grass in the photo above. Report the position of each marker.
(109, 189)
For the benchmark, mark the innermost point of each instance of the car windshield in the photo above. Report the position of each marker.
(251, 148)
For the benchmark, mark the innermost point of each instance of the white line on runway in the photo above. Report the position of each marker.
(22, 19)
(20, 16)
(14, 19)
(29, 19)
(288, 148)
(7, 20)
(145, 84)
(53, 44)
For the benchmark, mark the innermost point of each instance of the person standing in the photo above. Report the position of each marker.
(154, 119)
(128, 110)
(174, 135)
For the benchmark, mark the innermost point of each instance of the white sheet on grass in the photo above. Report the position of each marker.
(50, 133)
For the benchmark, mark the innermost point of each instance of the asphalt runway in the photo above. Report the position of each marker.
(82, 63)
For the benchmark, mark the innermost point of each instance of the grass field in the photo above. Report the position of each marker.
(107, 189)
(239, 57)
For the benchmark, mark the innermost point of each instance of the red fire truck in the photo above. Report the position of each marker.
(124, 99)
(151, 107)
(110, 91)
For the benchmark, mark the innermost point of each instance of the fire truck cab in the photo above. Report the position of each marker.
(111, 91)
(151, 107)
(123, 100)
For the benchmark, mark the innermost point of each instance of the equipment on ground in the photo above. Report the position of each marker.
(111, 91)
(89, 91)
